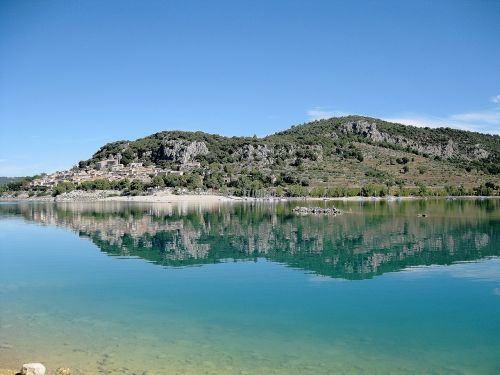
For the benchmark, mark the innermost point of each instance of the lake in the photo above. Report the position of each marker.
(117, 288)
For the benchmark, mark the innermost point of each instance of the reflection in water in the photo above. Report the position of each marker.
(288, 310)
(370, 239)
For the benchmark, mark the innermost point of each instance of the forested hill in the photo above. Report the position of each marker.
(8, 180)
(443, 143)
(348, 151)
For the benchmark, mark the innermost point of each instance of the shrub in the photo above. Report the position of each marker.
(137, 185)
(63, 187)
(101, 184)
(157, 181)
(318, 192)
(297, 191)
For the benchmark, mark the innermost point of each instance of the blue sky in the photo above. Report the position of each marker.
(77, 74)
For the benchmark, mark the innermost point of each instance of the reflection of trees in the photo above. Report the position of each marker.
(373, 239)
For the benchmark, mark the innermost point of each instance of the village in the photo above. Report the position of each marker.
(110, 169)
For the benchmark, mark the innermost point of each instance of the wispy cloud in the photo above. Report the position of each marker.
(15, 170)
(483, 270)
(12, 170)
(418, 120)
(489, 117)
(479, 121)
(484, 121)
(320, 114)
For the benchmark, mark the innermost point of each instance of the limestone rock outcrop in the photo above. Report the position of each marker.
(181, 151)
(445, 150)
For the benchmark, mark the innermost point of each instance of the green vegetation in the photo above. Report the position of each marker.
(321, 148)
(15, 184)
(7, 180)
(344, 156)
(63, 187)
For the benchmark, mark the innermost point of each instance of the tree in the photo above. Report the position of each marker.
(127, 156)
(297, 191)
(86, 185)
(368, 191)
(102, 184)
(123, 184)
(137, 185)
(172, 180)
(157, 181)
(318, 191)
(335, 192)
(214, 181)
(63, 187)
(486, 189)
(193, 181)
(422, 190)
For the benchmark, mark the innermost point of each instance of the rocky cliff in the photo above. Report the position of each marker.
(446, 150)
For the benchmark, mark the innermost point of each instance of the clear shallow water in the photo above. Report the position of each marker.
(251, 289)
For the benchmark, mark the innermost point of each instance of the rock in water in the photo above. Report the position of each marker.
(63, 371)
(317, 211)
(33, 369)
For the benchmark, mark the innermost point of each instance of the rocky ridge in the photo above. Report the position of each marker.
(448, 150)
(306, 141)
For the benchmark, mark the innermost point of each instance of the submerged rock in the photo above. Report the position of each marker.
(33, 369)
(63, 371)
(316, 211)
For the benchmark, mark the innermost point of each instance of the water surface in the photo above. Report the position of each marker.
(251, 289)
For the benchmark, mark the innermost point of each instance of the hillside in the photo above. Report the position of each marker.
(342, 156)
(9, 180)
(347, 152)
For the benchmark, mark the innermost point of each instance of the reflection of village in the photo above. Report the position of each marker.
(328, 247)
(110, 170)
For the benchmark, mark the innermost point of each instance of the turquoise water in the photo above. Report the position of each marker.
(112, 288)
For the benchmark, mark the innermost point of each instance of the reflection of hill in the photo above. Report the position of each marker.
(372, 240)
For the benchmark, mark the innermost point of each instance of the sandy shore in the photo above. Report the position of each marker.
(172, 198)
(213, 198)
(166, 197)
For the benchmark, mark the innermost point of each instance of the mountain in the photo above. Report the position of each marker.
(350, 152)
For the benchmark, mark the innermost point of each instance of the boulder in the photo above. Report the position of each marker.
(33, 369)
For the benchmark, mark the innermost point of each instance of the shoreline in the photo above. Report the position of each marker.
(163, 197)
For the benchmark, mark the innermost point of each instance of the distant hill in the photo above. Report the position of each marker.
(351, 151)
(7, 180)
